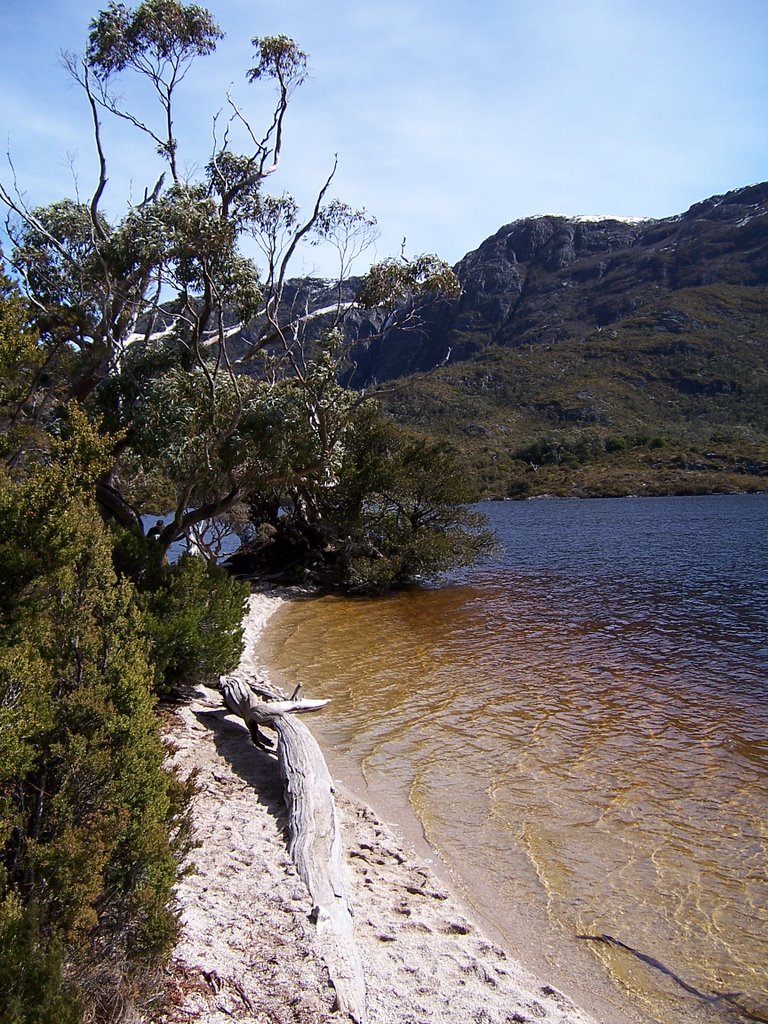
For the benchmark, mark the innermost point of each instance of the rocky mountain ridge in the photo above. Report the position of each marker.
(600, 357)
(549, 279)
(590, 356)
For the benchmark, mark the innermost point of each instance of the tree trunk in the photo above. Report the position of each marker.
(315, 842)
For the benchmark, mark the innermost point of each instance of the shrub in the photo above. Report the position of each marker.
(519, 487)
(92, 826)
(194, 619)
(31, 970)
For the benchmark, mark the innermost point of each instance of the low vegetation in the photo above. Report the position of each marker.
(631, 409)
(92, 825)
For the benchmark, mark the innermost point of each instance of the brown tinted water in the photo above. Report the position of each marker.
(581, 728)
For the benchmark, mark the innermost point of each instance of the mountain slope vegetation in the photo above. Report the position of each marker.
(600, 358)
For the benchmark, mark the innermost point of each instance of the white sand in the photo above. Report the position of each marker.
(248, 949)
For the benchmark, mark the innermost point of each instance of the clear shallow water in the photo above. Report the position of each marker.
(581, 727)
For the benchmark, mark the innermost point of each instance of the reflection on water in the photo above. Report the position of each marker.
(582, 728)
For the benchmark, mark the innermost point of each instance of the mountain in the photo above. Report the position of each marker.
(600, 356)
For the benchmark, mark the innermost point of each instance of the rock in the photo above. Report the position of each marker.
(554, 278)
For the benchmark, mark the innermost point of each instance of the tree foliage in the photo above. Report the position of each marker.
(156, 33)
(91, 823)
(161, 312)
(390, 508)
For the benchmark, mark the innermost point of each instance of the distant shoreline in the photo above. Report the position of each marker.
(589, 496)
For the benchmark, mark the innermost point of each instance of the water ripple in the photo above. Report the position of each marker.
(582, 723)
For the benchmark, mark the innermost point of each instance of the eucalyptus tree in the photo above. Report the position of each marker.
(158, 319)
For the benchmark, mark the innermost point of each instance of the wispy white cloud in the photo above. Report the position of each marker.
(449, 119)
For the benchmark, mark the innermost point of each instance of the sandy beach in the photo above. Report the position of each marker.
(249, 951)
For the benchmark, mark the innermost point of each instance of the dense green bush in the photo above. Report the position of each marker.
(92, 826)
(193, 610)
(194, 618)
(394, 511)
(31, 970)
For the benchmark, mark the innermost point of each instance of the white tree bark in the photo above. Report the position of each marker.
(315, 842)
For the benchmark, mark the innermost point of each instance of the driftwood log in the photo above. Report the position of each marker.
(314, 839)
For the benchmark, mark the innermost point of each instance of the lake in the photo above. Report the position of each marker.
(579, 728)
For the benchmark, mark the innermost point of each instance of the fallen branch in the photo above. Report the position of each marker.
(734, 999)
(315, 842)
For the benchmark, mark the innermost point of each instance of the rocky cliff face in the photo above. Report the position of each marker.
(553, 279)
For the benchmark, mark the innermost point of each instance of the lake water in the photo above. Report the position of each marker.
(580, 727)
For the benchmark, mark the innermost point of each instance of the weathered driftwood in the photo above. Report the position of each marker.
(315, 842)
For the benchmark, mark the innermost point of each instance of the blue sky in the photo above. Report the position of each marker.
(449, 118)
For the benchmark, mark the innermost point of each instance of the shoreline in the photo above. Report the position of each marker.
(248, 948)
(525, 931)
